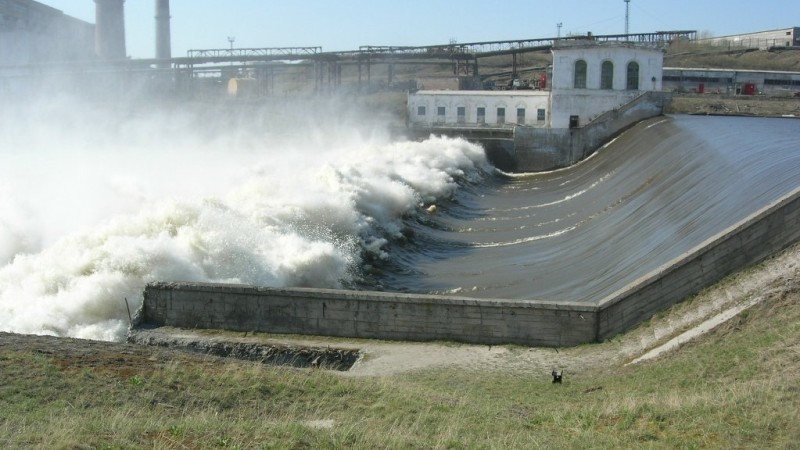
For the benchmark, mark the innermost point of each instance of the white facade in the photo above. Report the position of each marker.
(478, 108)
(650, 62)
(588, 80)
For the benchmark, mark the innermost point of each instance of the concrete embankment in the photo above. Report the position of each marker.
(489, 321)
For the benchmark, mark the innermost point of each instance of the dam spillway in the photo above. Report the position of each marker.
(582, 233)
(92, 214)
(553, 259)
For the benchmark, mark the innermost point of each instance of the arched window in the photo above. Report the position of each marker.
(580, 74)
(607, 75)
(633, 76)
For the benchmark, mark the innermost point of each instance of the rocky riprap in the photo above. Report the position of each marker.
(340, 359)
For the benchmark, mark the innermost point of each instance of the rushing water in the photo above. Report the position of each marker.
(94, 204)
(582, 233)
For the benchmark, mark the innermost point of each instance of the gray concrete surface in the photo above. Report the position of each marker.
(486, 321)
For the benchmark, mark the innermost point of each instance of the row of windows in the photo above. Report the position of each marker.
(729, 80)
(606, 75)
(461, 114)
(782, 82)
(700, 79)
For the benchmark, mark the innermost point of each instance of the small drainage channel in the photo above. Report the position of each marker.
(272, 354)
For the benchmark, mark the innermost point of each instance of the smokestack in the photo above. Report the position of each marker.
(109, 29)
(163, 39)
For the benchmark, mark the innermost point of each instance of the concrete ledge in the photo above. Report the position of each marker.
(413, 317)
(367, 314)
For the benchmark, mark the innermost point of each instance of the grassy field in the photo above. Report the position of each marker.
(735, 388)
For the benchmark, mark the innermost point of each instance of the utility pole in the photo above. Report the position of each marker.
(231, 39)
(627, 16)
(558, 25)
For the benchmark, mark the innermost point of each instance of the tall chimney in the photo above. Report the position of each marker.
(109, 29)
(163, 39)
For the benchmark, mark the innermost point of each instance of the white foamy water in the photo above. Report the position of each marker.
(95, 203)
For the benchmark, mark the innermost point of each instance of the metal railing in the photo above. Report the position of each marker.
(253, 52)
(477, 48)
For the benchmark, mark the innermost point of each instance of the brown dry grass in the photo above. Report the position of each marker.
(734, 105)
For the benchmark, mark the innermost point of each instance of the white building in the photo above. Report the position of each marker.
(462, 108)
(731, 81)
(588, 79)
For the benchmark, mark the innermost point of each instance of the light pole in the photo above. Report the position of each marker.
(627, 16)
(231, 39)
(558, 25)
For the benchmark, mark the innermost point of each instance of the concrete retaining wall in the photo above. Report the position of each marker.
(427, 317)
(767, 232)
(540, 149)
(367, 314)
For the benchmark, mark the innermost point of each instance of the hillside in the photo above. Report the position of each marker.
(718, 58)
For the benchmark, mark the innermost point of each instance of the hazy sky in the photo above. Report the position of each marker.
(347, 24)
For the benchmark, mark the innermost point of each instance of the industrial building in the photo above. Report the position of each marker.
(110, 29)
(731, 81)
(588, 80)
(762, 40)
(31, 32)
(593, 91)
